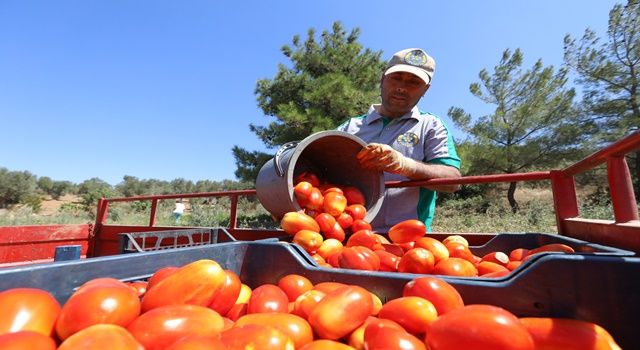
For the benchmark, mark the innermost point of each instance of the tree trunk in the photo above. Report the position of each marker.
(511, 197)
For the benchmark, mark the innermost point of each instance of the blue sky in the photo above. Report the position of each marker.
(165, 89)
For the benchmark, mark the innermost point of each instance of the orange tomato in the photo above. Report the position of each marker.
(140, 287)
(365, 238)
(353, 195)
(295, 327)
(306, 302)
(518, 254)
(388, 262)
(358, 258)
(328, 287)
(195, 283)
(478, 327)
(160, 275)
(359, 224)
(224, 299)
(566, 334)
(106, 303)
(356, 211)
(512, 265)
(268, 298)
(294, 221)
(28, 309)
(310, 241)
(253, 336)
(334, 203)
(356, 338)
(417, 260)
(315, 200)
(441, 294)
(325, 222)
(552, 247)
(455, 267)
(393, 249)
(407, 231)
(237, 311)
(201, 342)
(455, 238)
(486, 267)
(102, 336)
(497, 257)
(414, 314)
(459, 250)
(302, 191)
(26, 340)
(345, 220)
(437, 248)
(162, 326)
(340, 312)
(325, 344)
(382, 338)
(294, 285)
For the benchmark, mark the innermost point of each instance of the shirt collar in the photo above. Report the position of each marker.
(373, 115)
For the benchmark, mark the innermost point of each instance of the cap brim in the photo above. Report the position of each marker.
(419, 72)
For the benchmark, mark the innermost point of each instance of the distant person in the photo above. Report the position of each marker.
(178, 210)
(404, 142)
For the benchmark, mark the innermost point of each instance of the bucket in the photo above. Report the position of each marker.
(329, 154)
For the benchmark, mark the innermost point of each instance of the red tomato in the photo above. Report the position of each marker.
(140, 287)
(306, 302)
(406, 246)
(485, 267)
(393, 249)
(328, 287)
(195, 283)
(388, 262)
(356, 211)
(356, 338)
(518, 254)
(316, 200)
(512, 265)
(359, 224)
(330, 188)
(294, 221)
(160, 275)
(116, 304)
(302, 191)
(26, 340)
(202, 342)
(437, 248)
(325, 344)
(341, 311)
(499, 258)
(383, 338)
(28, 309)
(226, 296)
(336, 233)
(417, 260)
(407, 231)
(268, 298)
(566, 334)
(253, 336)
(308, 177)
(459, 250)
(414, 314)
(441, 294)
(478, 327)
(325, 222)
(294, 285)
(365, 238)
(455, 267)
(455, 238)
(353, 195)
(237, 311)
(318, 258)
(345, 220)
(359, 258)
(162, 326)
(552, 247)
(310, 241)
(295, 327)
(102, 336)
(334, 203)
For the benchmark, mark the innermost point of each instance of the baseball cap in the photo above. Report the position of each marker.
(414, 61)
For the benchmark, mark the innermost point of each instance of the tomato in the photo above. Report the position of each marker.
(437, 248)
(160, 275)
(442, 295)
(356, 338)
(356, 211)
(518, 254)
(388, 262)
(459, 250)
(512, 265)
(328, 287)
(26, 340)
(325, 344)
(268, 298)
(393, 249)
(417, 260)
(455, 267)
(353, 195)
(195, 283)
(365, 238)
(28, 309)
(485, 267)
(316, 200)
(202, 342)
(341, 311)
(334, 260)
(345, 220)
(359, 258)
(237, 311)
(102, 336)
(97, 303)
(334, 203)
(336, 233)
(383, 338)
(306, 302)
(478, 327)
(253, 336)
(330, 188)
(552, 247)
(309, 177)
(140, 287)
(294, 221)
(497, 257)
(360, 225)
(406, 246)
(318, 259)
(302, 191)
(566, 334)
(407, 231)
(310, 241)
(295, 327)
(226, 296)
(455, 238)
(245, 294)
(325, 222)
(294, 285)
(414, 314)
(162, 326)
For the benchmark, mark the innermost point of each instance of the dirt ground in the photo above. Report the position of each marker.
(50, 206)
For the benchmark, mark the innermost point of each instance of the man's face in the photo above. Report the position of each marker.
(400, 91)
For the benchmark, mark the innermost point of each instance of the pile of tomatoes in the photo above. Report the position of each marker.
(332, 228)
(202, 306)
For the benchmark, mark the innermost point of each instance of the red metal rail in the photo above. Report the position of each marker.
(623, 231)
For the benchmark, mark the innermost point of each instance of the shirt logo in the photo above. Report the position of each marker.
(408, 139)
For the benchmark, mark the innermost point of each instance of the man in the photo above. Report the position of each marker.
(404, 142)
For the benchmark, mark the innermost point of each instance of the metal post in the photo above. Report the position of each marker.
(565, 200)
(152, 218)
(623, 199)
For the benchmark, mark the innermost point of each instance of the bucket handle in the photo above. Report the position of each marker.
(276, 159)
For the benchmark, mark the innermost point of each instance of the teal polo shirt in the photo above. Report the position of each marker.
(417, 135)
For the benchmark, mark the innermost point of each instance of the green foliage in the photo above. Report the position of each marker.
(60, 188)
(34, 201)
(16, 186)
(329, 79)
(45, 184)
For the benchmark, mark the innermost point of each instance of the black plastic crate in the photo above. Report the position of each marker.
(599, 289)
